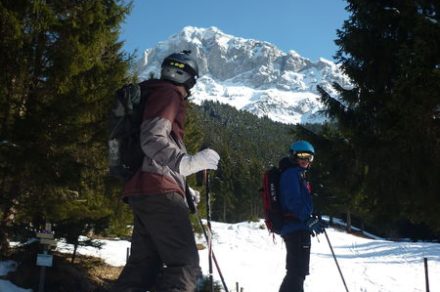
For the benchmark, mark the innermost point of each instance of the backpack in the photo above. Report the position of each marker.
(270, 193)
(274, 217)
(125, 155)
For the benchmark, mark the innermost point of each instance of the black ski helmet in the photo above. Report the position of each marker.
(180, 69)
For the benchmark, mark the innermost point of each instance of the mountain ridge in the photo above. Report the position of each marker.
(250, 74)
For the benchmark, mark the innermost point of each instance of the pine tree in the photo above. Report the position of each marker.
(62, 63)
(247, 145)
(389, 49)
(335, 175)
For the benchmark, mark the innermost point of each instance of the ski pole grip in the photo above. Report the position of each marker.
(200, 176)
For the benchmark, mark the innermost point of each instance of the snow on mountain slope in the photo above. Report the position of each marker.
(249, 74)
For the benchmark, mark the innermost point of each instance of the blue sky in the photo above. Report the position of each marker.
(308, 27)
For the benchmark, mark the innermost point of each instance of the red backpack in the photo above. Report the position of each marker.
(273, 214)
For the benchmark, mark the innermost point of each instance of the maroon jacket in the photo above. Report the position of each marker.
(161, 138)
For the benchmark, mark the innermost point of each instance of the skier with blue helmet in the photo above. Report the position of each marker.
(296, 202)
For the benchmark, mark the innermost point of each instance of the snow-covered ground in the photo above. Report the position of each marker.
(247, 254)
(6, 286)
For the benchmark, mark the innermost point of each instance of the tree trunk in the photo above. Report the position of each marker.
(348, 221)
(224, 210)
(4, 242)
(75, 248)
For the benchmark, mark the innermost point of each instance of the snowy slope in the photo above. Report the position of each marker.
(248, 255)
(250, 74)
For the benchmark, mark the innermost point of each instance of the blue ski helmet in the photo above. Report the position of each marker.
(302, 146)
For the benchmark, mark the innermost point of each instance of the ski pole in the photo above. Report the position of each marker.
(208, 217)
(213, 254)
(336, 261)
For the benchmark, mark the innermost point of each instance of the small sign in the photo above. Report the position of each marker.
(48, 241)
(44, 260)
(45, 235)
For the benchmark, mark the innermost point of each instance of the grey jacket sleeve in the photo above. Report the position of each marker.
(158, 144)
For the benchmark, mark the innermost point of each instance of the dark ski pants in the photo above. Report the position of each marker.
(163, 249)
(297, 261)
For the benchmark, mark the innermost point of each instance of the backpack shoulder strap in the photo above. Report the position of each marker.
(127, 96)
(286, 163)
(145, 91)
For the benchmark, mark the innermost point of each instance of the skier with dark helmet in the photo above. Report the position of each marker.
(296, 201)
(163, 255)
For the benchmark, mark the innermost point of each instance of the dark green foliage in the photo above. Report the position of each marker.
(73, 227)
(336, 176)
(61, 63)
(247, 145)
(390, 119)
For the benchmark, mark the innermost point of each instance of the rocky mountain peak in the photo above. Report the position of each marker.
(250, 74)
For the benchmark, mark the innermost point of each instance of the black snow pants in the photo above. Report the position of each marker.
(297, 261)
(163, 249)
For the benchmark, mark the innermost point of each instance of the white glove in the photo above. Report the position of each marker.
(205, 159)
(195, 195)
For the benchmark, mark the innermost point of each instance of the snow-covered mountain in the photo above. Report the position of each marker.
(249, 74)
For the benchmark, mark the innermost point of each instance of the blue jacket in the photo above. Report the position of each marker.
(295, 198)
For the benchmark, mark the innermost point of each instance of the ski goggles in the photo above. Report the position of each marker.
(304, 156)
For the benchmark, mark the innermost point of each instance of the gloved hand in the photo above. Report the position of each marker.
(315, 226)
(205, 159)
(195, 195)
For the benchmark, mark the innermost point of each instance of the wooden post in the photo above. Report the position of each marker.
(426, 274)
(43, 268)
(45, 259)
(42, 277)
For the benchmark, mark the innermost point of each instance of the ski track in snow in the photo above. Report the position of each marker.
(249, 255)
